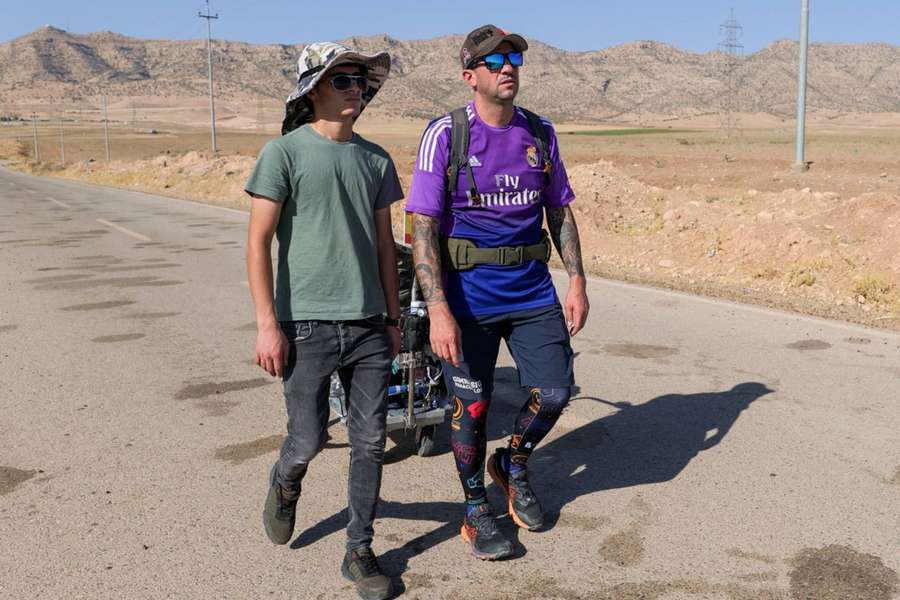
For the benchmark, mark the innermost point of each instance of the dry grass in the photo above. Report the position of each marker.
(647, 225)
(874, 289)
(800, 277)
(766, 273)
(12, 149)
(807, 273)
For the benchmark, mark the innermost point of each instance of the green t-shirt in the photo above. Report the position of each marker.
(327, 252)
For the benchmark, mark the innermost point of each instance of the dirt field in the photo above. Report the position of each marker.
(685, 208)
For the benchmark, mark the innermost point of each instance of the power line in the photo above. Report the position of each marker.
(212, 105)
(733, 50)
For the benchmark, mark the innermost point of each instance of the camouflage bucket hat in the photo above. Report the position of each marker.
(314, 61)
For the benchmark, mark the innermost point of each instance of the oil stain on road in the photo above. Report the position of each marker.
(238, 453)
(98, 305)
(639, 351)
(122, 337)
(202, 390)
(590, 524)
(84, 284)
(216, 408)
(153, 315)
(541, 586)
(60, 278)
(624, 548)
(839, 572)
(738, 553)
(10, 478)
(804, 345)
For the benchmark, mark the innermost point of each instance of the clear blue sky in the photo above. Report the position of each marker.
(567, 24)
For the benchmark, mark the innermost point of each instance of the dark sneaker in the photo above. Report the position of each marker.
(484, 539)
(279, 512)
(361, 567)
(524, 507)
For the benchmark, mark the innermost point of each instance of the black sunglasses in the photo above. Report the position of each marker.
(342, 82)
(495, 61)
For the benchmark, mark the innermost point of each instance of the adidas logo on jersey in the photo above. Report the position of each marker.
(474, 162)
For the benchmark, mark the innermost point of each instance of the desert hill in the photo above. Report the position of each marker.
(631, 82)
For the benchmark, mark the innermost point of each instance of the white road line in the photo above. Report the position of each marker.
(57, 202)
(133, 234)
(83, 185)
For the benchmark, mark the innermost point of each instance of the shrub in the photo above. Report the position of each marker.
(802, 276)
(807, 273)
(873, 288)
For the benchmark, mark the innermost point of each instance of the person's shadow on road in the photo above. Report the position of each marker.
(643, 443)
(396, 561)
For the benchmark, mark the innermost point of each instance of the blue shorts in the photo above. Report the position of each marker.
(538, 341)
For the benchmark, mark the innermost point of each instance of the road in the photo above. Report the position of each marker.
(713, 451)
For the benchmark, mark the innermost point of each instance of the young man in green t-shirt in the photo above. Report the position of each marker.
(325, 193)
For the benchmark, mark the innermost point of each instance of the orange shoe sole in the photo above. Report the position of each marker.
(470, 541)
(503, 482)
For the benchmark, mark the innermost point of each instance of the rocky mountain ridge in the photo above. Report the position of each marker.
(631, 82)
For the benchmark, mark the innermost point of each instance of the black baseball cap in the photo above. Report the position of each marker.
(484, 40)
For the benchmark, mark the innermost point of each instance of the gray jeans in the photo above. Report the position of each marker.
(360, 352)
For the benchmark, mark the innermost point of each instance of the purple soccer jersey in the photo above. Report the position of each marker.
(509, 210)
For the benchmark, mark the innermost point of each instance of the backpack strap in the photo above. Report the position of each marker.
(541, 140)
(459, 149)
(459, 153)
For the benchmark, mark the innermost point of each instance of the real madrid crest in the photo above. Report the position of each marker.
(531, 156)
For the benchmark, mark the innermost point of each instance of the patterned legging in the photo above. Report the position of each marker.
(468, 436)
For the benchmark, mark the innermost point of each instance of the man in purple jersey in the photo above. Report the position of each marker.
(480, 256)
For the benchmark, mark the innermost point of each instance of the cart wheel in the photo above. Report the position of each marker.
(425, 440)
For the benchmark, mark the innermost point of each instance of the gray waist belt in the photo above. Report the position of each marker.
(461, 254)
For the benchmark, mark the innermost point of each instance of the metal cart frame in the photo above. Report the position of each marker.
(417, 397)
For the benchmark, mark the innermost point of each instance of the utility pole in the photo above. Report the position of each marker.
(259, 114)
(106, 128)
(62, 143)
(37, 148)
(212, 105)
(800, 158)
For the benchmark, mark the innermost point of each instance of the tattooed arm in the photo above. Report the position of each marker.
(427, 258)
(445, 335)
(564, 232)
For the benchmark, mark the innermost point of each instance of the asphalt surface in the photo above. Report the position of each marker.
(714, 450)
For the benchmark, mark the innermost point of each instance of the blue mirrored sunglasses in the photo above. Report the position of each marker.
(494, 62)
